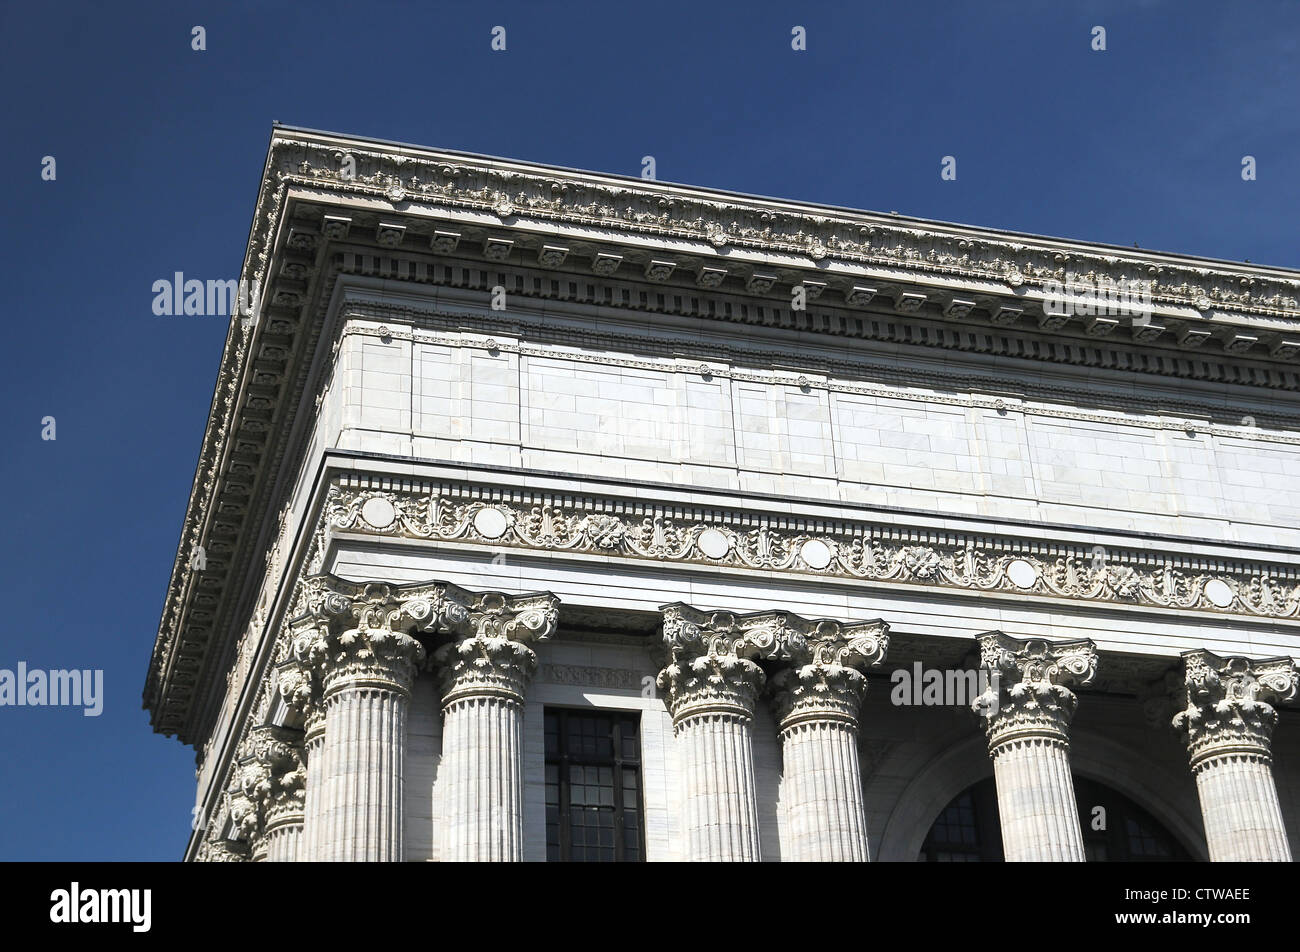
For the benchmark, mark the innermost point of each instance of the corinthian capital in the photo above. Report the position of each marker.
(491, 655)
(216, 849)
(713, 656)
(272, 774)
(1227, 704)
(363, 632)
(1029, 694)
(826, 676)
(247, 824)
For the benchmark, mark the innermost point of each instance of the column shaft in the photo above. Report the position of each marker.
(822, 786)
(1027, 710)
(721, 802)
(362, 795)
(1243, 819)
(1228, 717)
(485, 678)
(284, 840)
(1040, 818)
(483, 759)
(313, 814)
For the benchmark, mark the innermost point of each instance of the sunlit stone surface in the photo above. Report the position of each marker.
(547, 514)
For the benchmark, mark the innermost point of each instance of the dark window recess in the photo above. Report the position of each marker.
(593, 787)
(967, 831)
(1115, 829)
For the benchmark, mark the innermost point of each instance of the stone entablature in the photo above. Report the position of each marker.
(843, 549)
(450, 206)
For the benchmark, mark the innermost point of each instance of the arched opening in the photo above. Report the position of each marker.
(1115, 829)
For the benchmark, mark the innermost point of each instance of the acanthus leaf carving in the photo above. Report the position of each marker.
(1227, 705)
(1029, 696)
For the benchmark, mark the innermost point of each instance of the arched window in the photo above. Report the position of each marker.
(1115, 829)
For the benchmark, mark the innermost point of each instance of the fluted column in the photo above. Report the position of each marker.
(1027, 711)
(484, 674)
(712, 682)
(314, 761)
(299, 684)
(358, 651)
(273, 777)
(817, 702)
(1228, 723)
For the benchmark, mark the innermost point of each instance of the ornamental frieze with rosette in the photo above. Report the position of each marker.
(853, 550)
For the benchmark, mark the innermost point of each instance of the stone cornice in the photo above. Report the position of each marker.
(266, 361)
(510, 190)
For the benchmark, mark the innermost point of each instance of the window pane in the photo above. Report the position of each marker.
(597, 819)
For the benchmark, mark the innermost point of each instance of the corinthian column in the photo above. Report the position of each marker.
(485, 673)
(217, 850)
(1228, 724)
(358, 648)
(242, 809)
(712, 681)
(1027, 711)
(817, 700)
(300, 691)
(273, 779)
(314, 758)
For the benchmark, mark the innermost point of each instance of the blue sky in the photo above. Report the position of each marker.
(159, 150)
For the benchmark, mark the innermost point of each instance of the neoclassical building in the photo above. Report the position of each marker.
(553, 515)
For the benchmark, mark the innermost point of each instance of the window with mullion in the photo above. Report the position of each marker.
(593, 786)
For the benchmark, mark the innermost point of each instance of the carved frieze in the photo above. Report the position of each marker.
(852, 550)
